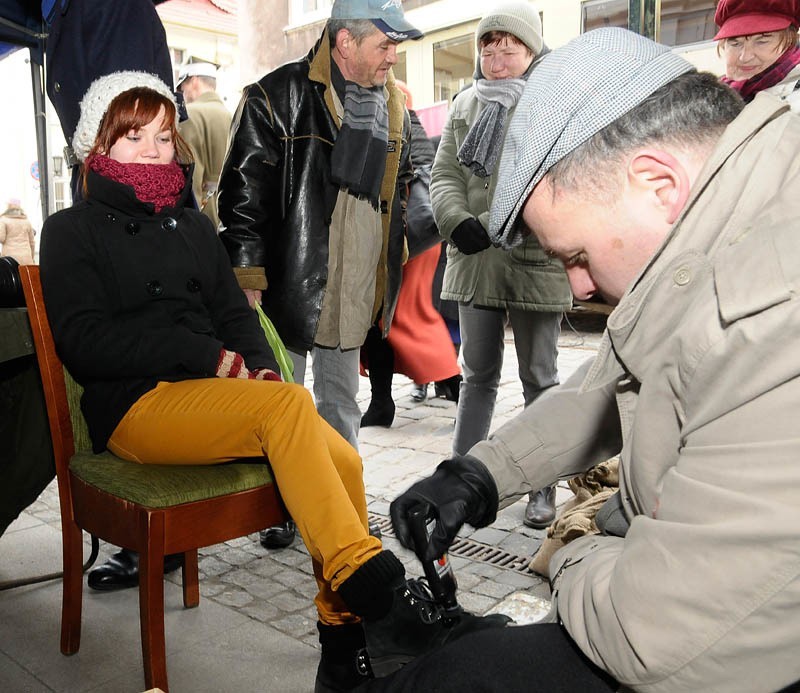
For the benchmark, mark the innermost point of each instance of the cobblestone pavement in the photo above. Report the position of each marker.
(233, 574)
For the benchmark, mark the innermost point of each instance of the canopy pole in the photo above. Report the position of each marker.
(40, 116)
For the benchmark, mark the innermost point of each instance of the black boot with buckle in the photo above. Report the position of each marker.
(344, 664)
(401, 618)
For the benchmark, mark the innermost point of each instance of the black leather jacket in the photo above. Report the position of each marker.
(276, 198)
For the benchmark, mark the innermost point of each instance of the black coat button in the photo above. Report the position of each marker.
(193, 285)
(169, 224)
(154, 288)
(111, 217)
(132, 227)
(384, 206)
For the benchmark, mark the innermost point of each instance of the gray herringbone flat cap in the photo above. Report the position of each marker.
(574, 93)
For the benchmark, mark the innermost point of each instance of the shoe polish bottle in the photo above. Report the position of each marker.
(438, 572)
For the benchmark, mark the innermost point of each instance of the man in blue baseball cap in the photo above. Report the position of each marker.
(310, 199)
(387, 15)
(666, 196)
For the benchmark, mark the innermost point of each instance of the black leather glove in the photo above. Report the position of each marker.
(460, 490)
(470, 237)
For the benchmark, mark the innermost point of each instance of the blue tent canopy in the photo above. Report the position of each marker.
(22, 26)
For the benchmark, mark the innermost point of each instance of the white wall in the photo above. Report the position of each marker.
(18, 138)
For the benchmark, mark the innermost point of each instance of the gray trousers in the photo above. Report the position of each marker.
(482, 343)
(335, 374)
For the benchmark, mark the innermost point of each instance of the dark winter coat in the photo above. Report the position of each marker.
(136, 297)
(276, 196)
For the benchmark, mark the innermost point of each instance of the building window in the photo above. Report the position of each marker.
(596, 14)
(453, 66)
(308, 11)
(680, 22)
(686, 21)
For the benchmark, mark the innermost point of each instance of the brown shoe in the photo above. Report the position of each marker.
(541, 509)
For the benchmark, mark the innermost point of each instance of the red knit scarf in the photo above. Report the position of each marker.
(774, 74)
(159, 184)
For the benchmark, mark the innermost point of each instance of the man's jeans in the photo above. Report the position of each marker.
(336, 375)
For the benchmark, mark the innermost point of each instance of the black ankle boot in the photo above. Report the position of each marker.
(344, 664)
(417, 624)
(122, 571)
(449, 388)
(379, 413)
(401, 618)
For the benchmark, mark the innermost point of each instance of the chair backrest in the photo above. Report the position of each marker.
(52, 372)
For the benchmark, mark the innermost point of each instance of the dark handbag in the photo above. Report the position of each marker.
(421, 231)
(10, 284)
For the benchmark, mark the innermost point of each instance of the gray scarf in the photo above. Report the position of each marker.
(484, 141)
(359, 154)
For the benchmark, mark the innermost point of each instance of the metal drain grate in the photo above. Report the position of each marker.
(469, 549)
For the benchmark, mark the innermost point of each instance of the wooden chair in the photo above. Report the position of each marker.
(152, 509)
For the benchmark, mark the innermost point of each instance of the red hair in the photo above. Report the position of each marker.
(132, 110)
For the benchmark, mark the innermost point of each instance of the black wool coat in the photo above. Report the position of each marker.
(135, 297)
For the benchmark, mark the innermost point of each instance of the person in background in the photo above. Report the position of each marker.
(665, 195)
(758, 40)
(418, 344)
(148, 317)
(17, 237)
(311, 199)
(205, 131)
(524, 287)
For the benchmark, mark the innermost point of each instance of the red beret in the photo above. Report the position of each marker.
(745, 17)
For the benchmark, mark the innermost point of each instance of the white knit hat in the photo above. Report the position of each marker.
(100, 94)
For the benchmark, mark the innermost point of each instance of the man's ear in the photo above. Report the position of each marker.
(344, 42)
(661, 174)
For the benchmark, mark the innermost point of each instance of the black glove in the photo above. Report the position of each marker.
(460, 490)
(470, 237)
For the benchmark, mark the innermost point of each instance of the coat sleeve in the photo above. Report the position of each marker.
(703, 592)
(250, 183)
(562, 433)
(235, 322)
(91, 340)
(449, 183)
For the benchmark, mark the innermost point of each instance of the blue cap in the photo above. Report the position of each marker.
(387, 15)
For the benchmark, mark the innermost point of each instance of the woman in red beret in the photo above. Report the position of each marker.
(758, 39)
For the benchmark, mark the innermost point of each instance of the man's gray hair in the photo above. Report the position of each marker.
(689, 112)
(359, 29)
(210, 82)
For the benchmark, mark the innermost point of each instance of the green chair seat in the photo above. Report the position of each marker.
(160, 486)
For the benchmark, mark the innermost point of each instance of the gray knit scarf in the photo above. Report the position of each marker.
(484, 141)
(358, 159)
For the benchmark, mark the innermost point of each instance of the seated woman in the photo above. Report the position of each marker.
(148, 317)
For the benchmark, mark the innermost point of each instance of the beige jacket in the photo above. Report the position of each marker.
(17, 239)
(699, 372)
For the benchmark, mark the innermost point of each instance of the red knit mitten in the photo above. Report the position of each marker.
(265, 374)
(231, 365)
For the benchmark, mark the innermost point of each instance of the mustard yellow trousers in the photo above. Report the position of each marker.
(319, 475)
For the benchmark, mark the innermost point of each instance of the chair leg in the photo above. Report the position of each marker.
(191, 580)
(72, 586)
(151, 609)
